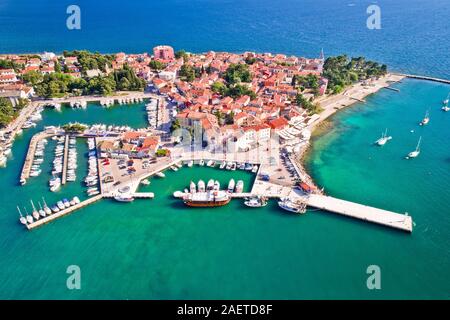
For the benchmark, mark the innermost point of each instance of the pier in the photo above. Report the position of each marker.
(64, 212)
(30, 155)
(362, 212)
(413, 76)
(65, 161)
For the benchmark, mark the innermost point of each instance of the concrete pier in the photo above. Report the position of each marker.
(65, 161)
(62, 213)
(413, 76)
(30, 154)
(366, 213)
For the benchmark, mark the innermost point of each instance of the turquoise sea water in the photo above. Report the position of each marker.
(158, 249)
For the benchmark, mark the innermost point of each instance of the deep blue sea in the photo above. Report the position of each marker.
(156, 249)
(414, 35)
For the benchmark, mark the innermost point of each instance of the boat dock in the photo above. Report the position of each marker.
(65, 161)
(362, 212)
(62, 213)
(136, 195)
(30, 154)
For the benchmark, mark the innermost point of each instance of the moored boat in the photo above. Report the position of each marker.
(207, 199)
(256, 202)
(231, 185)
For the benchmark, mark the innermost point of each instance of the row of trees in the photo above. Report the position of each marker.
(303, 83)
(8, 111)
(342, 71)
(59, 84)
(308, 105)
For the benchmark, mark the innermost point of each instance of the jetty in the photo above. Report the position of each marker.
(25, 174)
(413, 76)
(62, 213)
(362, 212)
(66, 159)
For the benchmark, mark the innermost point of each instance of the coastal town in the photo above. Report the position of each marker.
(249, 111)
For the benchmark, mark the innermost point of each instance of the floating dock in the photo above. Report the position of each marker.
(62, 213)
(354, 210)
(413, 76)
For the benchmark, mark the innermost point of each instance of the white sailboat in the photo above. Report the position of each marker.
(426, 119)
(445, 106)
(415, 153)
(28, 217)
(22, 219)
(35, 212)
(47, 210)
(41, 211)
(384, 138)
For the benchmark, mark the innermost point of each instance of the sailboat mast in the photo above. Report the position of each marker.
(19, 211)
(418, 144)
(32, 204)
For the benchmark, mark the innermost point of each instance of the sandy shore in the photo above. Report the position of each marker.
(333, 103)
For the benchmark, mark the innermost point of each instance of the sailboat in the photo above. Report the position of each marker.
(47, 210)
(35, 212)
(29, 218)
(445, 106)
(426, 119)
(22, 219)
(41, 211)
(415, 153)
(384, 138)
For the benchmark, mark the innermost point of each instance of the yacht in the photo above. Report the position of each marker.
(66, 203)
(384, 138)
(415, 153)
(193, 187)
(22, 219)
(231, 186)
(210, 184)
(201, 186)
(256, 202)
(425, 120)
(60, 205)
(28, 217)
(239, 186)
(288, 205)
(124, 198)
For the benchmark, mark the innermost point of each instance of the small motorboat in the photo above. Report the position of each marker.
(256, 202)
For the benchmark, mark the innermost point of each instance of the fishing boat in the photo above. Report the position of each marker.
(231, 186)
(384, 138)
(415, 153)
(289, 205)
(193, 187)
(222, 165)
(255, 202)
(201, 186)
(239, 186)
(207, 199)
(210, 184)
(426, 119)
(22, 219)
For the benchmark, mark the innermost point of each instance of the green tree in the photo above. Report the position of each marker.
(33, 77)
(156, 65)
(187, 72)
(237, 73)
